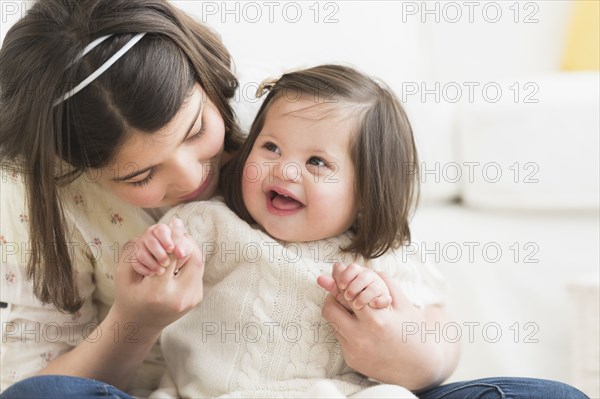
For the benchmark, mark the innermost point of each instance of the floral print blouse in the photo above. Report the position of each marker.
(98, 224)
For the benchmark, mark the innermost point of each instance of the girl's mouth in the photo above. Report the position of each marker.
(198, 191)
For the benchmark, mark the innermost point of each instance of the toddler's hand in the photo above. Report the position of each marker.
(355, 287)
(154, 302)
(159, 246)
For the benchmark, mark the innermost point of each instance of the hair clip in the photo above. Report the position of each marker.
(266, 85)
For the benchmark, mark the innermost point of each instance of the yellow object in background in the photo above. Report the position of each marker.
(583, 43)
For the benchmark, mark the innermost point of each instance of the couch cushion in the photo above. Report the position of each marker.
(541, 152)
(508, 273)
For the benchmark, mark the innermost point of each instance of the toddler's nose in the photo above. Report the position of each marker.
(288, 171)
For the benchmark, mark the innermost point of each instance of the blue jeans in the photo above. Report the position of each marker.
(56, 386)
(504, 388)
(62, 387)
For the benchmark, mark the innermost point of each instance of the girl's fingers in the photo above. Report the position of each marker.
(162, 233)
(191, 272)
(339, 317)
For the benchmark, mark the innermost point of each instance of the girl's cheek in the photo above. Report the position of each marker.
(217, 148)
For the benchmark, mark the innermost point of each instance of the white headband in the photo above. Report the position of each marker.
(102, 68)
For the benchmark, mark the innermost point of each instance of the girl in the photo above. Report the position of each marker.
(107, 108)
(325, 177)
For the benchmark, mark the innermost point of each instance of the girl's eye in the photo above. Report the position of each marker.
(145, 181)
(272, 147)
(198, 134)
(316, 161)
(191, 138)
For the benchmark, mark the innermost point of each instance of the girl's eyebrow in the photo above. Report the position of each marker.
(132, 175)
(142, 171)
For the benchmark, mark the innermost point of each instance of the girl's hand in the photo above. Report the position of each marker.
(156, 248)
(154, 302)
(355, 287)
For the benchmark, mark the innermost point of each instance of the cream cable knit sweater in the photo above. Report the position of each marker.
(259, 332)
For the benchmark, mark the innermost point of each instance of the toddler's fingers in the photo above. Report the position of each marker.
(177, 230)
(363, 279)
(381, 302)
(328, 284)
(370, 293)
(184, 245)
(147, 261)
(144, 271)
(162, 232)
(183, 249)
(336, 271)
(344, 275)
(156, 249)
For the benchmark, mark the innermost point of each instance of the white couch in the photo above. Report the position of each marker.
(541, 292)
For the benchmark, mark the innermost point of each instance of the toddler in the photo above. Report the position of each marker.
(319, 202)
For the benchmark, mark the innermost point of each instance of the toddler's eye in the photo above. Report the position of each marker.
(272, 147)
(316, 161)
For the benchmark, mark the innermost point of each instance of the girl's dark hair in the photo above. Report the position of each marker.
(382, 148)
(143, 90)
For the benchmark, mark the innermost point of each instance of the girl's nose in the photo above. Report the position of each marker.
(187, 176)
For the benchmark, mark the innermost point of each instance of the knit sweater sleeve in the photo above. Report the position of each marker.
(421, 281)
